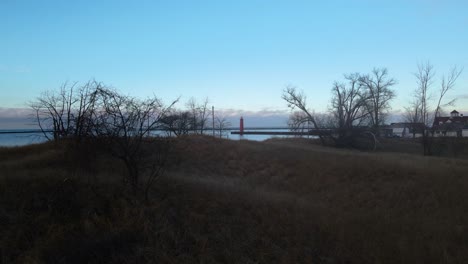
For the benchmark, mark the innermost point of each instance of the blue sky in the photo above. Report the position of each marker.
(240, 54)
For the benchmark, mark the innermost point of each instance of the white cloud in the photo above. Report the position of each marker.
(15, 112)
(16, 118)
(262, 118)
(262, 113)
(15, 69)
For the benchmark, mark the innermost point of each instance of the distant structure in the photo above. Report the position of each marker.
(241, 126)
(406, 130)
(455, 125)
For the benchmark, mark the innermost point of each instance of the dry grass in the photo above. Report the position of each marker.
(279, 201)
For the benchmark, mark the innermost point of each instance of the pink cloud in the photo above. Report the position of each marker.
(261, 113)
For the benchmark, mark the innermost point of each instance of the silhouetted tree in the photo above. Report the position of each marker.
(296, 99)
(349, 106)
(420, 106)
(177, 122)
(65, 113)
(124, 126)
(298, 121)
(199, 114)
(220, 125)
(421, 109)
(412, 116)
(378, 88)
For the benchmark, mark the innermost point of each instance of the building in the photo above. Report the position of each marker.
(455, 125)
(407, 130)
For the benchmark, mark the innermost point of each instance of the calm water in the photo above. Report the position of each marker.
(21, 139)
(12, 139)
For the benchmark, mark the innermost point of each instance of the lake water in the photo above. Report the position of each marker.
(22, 139)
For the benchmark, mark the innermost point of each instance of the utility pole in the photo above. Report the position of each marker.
(241, 126)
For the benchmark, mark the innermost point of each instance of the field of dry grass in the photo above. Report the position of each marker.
(220, 201)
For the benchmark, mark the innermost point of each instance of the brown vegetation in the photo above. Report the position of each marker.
(278, 201)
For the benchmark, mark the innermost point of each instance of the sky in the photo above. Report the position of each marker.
(240, 54)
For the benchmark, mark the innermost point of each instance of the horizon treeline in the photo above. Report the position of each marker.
(363, 101)
(360, 100)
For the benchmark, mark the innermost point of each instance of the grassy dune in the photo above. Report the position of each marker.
(278, 201)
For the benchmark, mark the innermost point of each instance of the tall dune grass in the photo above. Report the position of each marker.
(279, 201)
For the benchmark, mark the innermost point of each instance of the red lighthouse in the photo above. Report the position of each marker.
(241, 126)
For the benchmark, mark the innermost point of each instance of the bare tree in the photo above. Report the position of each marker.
(425, 79)
(378, 87)
(296, 99)
(447, 84)
(193, 109)
(124, 125)
(348, 105)
(199, 114)
(177, 122)
(51, 112)
(298, 121)
(203, 114)
(420, 108)
(220, 125)
(65, 113)
(413, 116)
(326, 120)
(362, 98)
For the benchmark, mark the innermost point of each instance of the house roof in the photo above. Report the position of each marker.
(455, 119)
(454, 112)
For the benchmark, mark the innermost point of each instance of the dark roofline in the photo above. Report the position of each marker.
(407, 123)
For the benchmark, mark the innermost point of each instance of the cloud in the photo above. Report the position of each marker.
(15, 69)
(262, 118)
(22, 69)
(6, 112)
(261, 113)
(16, 118)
